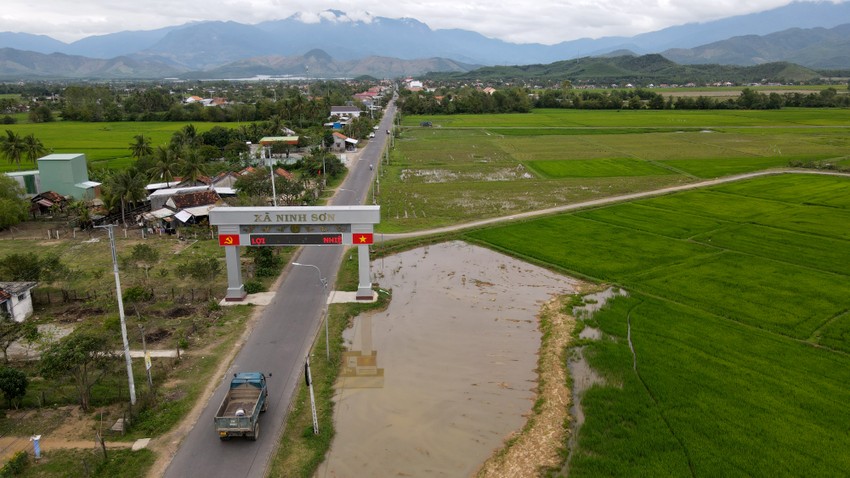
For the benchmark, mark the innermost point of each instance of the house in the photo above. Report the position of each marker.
(16, 299)
(345, 112)
(344, 143)
(193, 207)
(43, 203)
(160, 197)
(67, 175)
(30, 181)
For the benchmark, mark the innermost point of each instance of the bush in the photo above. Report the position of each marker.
(16, 465)
(253, 287)
(137, 294)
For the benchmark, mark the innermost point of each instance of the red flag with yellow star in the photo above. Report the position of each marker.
(361, 238)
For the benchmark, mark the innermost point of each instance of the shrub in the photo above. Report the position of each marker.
(137, 294)
(252, 287)
(16, 465)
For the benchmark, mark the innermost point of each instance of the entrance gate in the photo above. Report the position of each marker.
(294, 226)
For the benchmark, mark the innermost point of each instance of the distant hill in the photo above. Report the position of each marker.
(643, 70)
(211, 45)
(319, 64)
(814, 47)
(17, 64)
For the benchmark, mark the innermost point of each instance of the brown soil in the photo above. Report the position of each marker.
(535, 448)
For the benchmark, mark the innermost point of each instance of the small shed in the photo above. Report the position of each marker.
(16, 299)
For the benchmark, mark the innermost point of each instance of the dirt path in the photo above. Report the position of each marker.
(602, 202)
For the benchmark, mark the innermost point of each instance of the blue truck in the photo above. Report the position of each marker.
(239, 413)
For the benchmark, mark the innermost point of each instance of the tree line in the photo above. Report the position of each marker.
(520, 100)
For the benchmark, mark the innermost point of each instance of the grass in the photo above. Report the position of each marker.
(739, 320)
(469, 167)
(91, 463)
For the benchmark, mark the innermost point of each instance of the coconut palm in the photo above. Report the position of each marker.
(33, 147)
(165, 166)
(140, 147)
(192, 167)
(129, 186)
(12, 147)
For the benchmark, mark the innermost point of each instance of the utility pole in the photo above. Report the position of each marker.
(309, 380)
(132, 385)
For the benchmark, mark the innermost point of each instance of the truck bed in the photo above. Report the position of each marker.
(244, 398)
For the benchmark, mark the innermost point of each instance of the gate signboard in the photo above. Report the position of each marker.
(294, 226)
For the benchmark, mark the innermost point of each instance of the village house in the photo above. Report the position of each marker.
(16, 300)
(343, 143)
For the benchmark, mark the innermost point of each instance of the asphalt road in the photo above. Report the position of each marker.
(278, 344)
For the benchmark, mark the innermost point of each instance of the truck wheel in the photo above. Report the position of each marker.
(224, 438)
(265, 405)
(256, 432)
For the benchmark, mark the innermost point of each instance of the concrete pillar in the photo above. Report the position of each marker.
(235, 287)
(364, 285)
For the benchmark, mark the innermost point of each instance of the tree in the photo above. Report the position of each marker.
(165, 166)
(41, 114)
(84, 356)
(24, 266)
(129, 186)
(12, 147)
(11, 331)
(13, 384)
(193, 166)
(13, 206)
(144, 256)
(33, 147)
(140, 147)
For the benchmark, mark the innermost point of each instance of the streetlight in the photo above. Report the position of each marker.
(324, 283)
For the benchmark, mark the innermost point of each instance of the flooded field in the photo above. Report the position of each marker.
(444, 375)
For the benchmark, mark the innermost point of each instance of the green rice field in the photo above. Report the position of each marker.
(467, 167)
(104, 144)
(738, 312)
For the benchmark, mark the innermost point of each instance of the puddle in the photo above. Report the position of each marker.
(456, 353)
(583, 376)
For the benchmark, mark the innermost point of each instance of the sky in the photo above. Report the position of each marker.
(517, 21)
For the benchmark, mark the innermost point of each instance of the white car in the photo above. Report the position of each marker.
(371, 135)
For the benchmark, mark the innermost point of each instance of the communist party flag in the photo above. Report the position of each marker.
(360, 238)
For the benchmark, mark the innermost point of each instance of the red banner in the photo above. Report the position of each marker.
(228, 240)
(359, 239)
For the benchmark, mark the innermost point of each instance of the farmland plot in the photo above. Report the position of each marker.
(738, 318)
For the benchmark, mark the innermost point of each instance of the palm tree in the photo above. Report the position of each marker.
(129, 186)
(192, 167)
(140, 147)
(166, 165)
(33, 147)
(12, 147)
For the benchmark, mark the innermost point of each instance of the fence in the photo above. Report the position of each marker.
(47, 297)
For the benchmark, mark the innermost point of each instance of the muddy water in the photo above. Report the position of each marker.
(582, 374)
(458, 349)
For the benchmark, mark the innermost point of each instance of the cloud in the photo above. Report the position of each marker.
(519, 21)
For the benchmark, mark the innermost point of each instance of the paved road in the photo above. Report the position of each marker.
(278, 344)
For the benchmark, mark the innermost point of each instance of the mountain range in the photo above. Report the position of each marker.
(812, 34)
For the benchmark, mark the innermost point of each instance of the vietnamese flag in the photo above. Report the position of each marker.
(358, 238)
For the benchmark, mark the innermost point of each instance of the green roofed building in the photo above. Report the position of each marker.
(67, 175)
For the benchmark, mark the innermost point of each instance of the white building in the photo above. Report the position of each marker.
(16, 300)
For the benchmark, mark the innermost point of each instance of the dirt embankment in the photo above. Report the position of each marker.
(537, 446)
